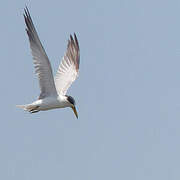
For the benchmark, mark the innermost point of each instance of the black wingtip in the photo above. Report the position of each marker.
(76, 40)
(75, 35)
(71, 38)
(26, 12)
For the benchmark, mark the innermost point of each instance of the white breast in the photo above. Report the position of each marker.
(51, 103)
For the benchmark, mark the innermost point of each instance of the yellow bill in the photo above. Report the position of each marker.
(74, 110)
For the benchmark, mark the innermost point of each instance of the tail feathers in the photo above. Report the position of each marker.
(29, 107)
(22, 106)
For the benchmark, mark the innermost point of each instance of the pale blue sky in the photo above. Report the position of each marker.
(127, 94)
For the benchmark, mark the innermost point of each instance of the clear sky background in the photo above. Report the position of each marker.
(127, 94)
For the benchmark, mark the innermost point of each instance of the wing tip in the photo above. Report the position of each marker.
(74, 44)
(26, 12)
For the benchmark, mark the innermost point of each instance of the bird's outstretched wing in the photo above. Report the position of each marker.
(41, 62)
(69, 68)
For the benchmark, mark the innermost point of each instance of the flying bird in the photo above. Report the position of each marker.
(53, 89)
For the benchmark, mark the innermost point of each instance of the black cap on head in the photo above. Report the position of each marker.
(71, 100)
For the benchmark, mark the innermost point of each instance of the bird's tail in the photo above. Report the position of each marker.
(29, 107)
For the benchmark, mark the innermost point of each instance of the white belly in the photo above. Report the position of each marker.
(50, 103)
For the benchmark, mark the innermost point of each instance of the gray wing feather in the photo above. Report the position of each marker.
(69, 67)
(40, 59)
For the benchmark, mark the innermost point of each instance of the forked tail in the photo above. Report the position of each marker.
(29, 107)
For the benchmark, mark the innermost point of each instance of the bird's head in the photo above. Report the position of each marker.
(72, 104)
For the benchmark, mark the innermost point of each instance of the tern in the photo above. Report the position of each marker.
(53, 89)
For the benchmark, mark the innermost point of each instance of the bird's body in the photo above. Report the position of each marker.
(51, 102)
(53, 89)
